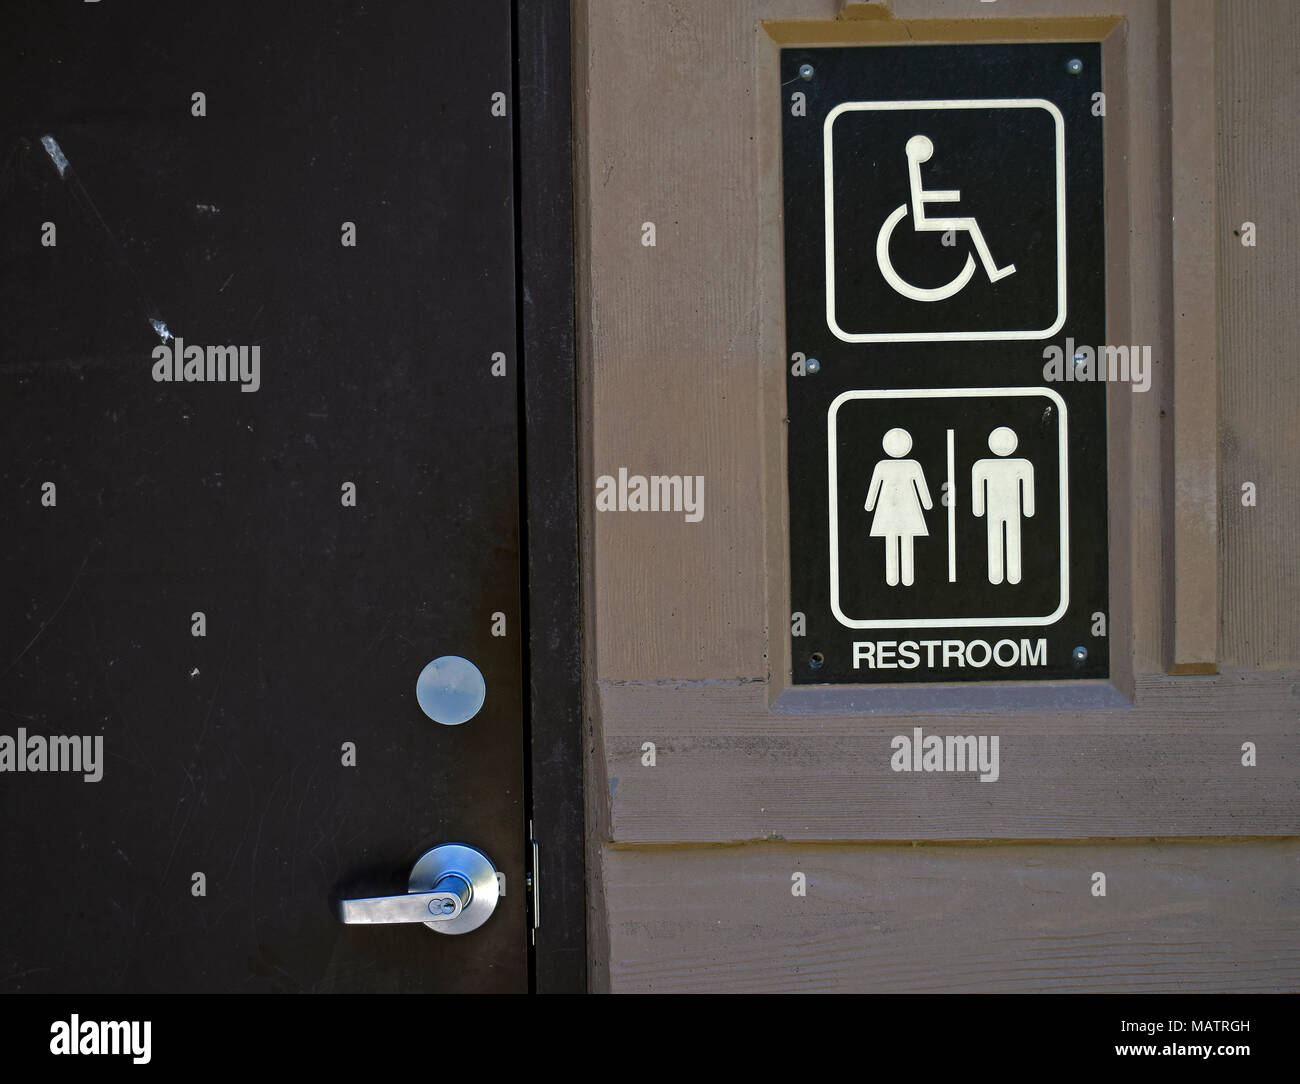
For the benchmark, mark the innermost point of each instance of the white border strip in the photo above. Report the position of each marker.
(944, 336)
(946, 622)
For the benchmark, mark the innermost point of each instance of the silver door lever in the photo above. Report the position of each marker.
(453, 888)
(413, 907)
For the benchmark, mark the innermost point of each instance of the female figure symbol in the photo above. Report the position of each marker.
(898, 494)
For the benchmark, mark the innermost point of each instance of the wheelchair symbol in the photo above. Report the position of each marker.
(920, 149)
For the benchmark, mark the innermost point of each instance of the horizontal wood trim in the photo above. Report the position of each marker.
(860, 31)
(728, 768)
(1177, 917)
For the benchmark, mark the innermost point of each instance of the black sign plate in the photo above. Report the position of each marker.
(948, 362)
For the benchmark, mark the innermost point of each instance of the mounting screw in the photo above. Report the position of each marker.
(812, 365)
(1080, 358)
(805, 72)
(1074, 66)
(1080, 655)
(816, 659)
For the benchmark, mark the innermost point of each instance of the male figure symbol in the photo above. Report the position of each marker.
(898, 494)
(1002, 490)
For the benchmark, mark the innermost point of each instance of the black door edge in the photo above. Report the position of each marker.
(544, 293)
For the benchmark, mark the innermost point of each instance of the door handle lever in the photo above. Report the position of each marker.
(413, 907)
(453, 888)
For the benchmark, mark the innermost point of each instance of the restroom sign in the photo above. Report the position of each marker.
(948, 508)
(944, 240)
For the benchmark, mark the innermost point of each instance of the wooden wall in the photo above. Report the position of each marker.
(932, 918)
(682, 372)
(1259, 396)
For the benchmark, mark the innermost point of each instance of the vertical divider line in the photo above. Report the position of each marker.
(952, 509)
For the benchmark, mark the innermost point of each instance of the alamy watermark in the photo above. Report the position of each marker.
(946, 753)
(81, 753)
(213, 365)
(133, 1038)
(1129, 364)
(657, 493)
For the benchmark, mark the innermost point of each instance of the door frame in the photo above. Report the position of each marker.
(543, 139)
